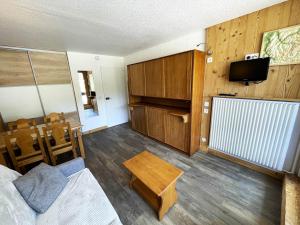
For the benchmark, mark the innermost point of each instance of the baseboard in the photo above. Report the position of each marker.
(94, 130)
(260, 169)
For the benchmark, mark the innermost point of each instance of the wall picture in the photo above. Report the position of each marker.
(283, 46)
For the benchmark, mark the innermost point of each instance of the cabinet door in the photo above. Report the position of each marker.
(156, 124)
(177, 132)
(178, 76)
(136, 79)
(154, 78)
(138, 119)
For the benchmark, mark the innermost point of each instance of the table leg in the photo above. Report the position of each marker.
(80, 142)
(132, 179)
(2, 159)
(167, 200)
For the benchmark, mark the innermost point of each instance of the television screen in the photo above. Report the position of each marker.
(249, 70)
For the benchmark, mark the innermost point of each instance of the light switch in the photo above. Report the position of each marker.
(206, 104)
(203, 139)
(205, 110)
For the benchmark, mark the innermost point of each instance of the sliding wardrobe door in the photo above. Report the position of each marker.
(18, 93)
(53, 77)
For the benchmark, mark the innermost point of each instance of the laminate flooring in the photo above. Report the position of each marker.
(211, 191)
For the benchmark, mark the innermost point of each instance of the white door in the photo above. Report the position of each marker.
(114, 85)
(87, 81)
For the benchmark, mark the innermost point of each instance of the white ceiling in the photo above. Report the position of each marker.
(112, 27)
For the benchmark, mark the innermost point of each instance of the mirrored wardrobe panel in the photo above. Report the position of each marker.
(35, 84)
(53, 79)
(18, 93)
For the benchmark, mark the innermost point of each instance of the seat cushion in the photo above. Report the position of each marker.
(81, 202)
(41, 186)
(13, 208)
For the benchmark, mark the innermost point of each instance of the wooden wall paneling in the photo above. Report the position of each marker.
(197, 100)
(232, 40)
(136, 79)
(154, 75)
(155, 123)
(15, 69)
(178, 75)
(50, 68)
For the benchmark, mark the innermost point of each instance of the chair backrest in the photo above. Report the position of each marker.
(28, 140)
(54, 118)
(58, 134)
(21, 124)
(2, 129)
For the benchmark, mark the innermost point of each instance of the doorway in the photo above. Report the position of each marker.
(88, 93)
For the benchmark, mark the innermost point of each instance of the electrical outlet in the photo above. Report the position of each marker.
(206, 104)
(205, 110)
(203, 139)
(210, 59)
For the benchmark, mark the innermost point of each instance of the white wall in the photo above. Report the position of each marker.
(109, 81)
(184, 43)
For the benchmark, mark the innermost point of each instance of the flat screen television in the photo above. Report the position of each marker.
(249, 70)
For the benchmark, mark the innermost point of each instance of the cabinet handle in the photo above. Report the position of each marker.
(185, 117)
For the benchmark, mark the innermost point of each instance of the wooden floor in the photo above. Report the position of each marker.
(211, 191)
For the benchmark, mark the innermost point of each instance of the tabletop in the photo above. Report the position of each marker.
(154, 172)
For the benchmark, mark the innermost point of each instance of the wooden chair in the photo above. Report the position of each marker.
(29, 142)
(21, 123)
(59, 139)
(54, 118)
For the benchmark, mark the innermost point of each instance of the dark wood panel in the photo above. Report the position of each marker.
(197, 100)
(15, 69)
(178, 75)
(154, 73)
(177, 132)
(156, 123)
(138, 119)
(136, 79)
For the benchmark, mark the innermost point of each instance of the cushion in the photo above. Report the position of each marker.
(13, 208)
(41, 186)
(81, 202)
(71, 167)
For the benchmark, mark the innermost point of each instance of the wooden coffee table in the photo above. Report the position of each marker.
(155, 180)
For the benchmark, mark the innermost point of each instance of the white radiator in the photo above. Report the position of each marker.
(254, 130)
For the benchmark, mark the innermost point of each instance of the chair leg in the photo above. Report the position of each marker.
(74, 152)
(53, 159)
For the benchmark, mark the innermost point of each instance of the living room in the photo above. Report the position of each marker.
(161, 112)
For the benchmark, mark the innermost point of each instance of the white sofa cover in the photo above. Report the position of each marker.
(81, 202)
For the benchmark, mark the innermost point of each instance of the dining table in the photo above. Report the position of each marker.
(75, 127)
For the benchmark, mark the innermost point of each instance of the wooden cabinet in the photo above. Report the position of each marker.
(136, 79)
(138, 119)
(178, 76)
(154, 75)
(155, 122)
(170, 89)
(177, 132)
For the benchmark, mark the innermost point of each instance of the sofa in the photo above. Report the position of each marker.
(82, 200)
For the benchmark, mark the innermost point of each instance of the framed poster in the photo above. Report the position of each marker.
(283, 46)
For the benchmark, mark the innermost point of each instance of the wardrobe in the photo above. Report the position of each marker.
(165, 99)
